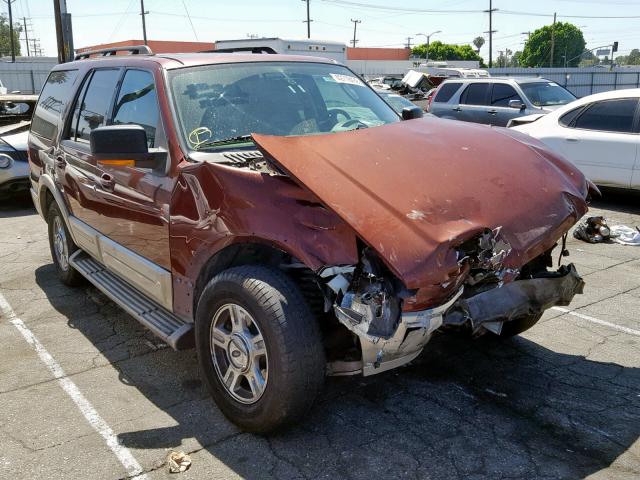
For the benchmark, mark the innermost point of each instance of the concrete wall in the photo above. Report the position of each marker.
(580, 81)
(28, 74)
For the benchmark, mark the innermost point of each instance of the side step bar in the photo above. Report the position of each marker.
(174, 331)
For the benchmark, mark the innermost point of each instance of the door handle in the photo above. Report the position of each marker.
(492, 112)
(61, 162)
(571, 139)
(107, 182)
(457, 109)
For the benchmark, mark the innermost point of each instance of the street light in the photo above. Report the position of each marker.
(426, 59)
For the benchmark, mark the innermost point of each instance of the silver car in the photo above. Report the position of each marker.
(14, 166)
(495, 100)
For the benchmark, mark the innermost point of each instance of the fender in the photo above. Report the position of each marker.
(46, 183)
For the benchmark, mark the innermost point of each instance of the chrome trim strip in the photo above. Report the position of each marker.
(151, 279)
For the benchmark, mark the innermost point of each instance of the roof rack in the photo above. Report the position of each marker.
(107, 52)
(242, 49)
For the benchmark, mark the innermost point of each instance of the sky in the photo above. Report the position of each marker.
(385, 23)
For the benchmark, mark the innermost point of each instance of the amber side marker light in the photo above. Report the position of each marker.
(117, 163)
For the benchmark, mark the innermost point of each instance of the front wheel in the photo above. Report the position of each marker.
(62, 247)
(259, 348)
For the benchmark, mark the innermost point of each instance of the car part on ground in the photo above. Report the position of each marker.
(593, 230)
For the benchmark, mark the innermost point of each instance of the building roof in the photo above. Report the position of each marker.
(377, 53)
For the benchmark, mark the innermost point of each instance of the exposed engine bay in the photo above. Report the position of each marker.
(368, 299)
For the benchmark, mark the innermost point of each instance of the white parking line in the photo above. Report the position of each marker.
(123, 454)
(604, 323)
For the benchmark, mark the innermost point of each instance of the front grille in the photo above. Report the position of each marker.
(19, 155)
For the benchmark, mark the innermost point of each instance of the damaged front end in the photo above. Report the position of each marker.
(368, 300)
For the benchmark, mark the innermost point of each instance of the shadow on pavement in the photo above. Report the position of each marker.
(623, 201)
(465, 409)
(16, 206)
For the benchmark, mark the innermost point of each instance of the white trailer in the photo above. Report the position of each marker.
(314, 48)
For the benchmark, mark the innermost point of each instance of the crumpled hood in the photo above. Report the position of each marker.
(415, 190)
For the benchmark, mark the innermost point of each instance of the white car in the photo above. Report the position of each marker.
(598, 133)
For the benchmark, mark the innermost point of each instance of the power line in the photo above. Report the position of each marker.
(395, 8)
(190, 22)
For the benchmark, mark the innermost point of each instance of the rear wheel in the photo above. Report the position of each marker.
(259, 347)
(62, 247)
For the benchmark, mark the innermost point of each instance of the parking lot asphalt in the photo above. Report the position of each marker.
(92, 390)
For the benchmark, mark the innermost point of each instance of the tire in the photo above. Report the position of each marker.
(290, 360)
(62, 247)
(519, 325)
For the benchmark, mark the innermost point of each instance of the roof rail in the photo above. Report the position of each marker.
(242, 49)
(106, 52)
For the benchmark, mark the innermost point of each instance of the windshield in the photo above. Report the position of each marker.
(545, 94)
(223, 104)
(396, 101)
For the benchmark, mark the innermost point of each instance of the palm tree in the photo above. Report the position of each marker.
(478, 42)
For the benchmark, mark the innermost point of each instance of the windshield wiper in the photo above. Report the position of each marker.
(223, 141)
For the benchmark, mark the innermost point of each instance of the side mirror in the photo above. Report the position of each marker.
(409, 113)
(124, 146)
(517, 104)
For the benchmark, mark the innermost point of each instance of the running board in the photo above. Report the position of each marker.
(174, 331)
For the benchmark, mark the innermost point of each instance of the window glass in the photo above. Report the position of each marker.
(96, 102)
(53, 99)
(609, 116)
(76, 109)
(502, 94)
(475, 94)
(219, 104)
(446, 91)
(568, 117)
(137, 104)
(544, 94)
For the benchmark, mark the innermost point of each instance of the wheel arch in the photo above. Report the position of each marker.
(250, 252)
(47, 194)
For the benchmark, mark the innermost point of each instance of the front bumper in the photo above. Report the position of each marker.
(413, 333)
(14, 179)
(489, 309)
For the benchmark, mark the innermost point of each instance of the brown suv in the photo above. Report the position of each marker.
(278, 213)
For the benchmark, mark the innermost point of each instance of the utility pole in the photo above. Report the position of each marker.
(26, 35)
(143, 12)
(64, 34)
(409, 42)
(308, 20)
(553, 39)
(491, 31)
(13, 46)
(355, 26)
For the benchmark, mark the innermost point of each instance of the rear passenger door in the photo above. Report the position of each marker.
(474, 102)
(445, 100)
(499, 113)
(602, 141)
